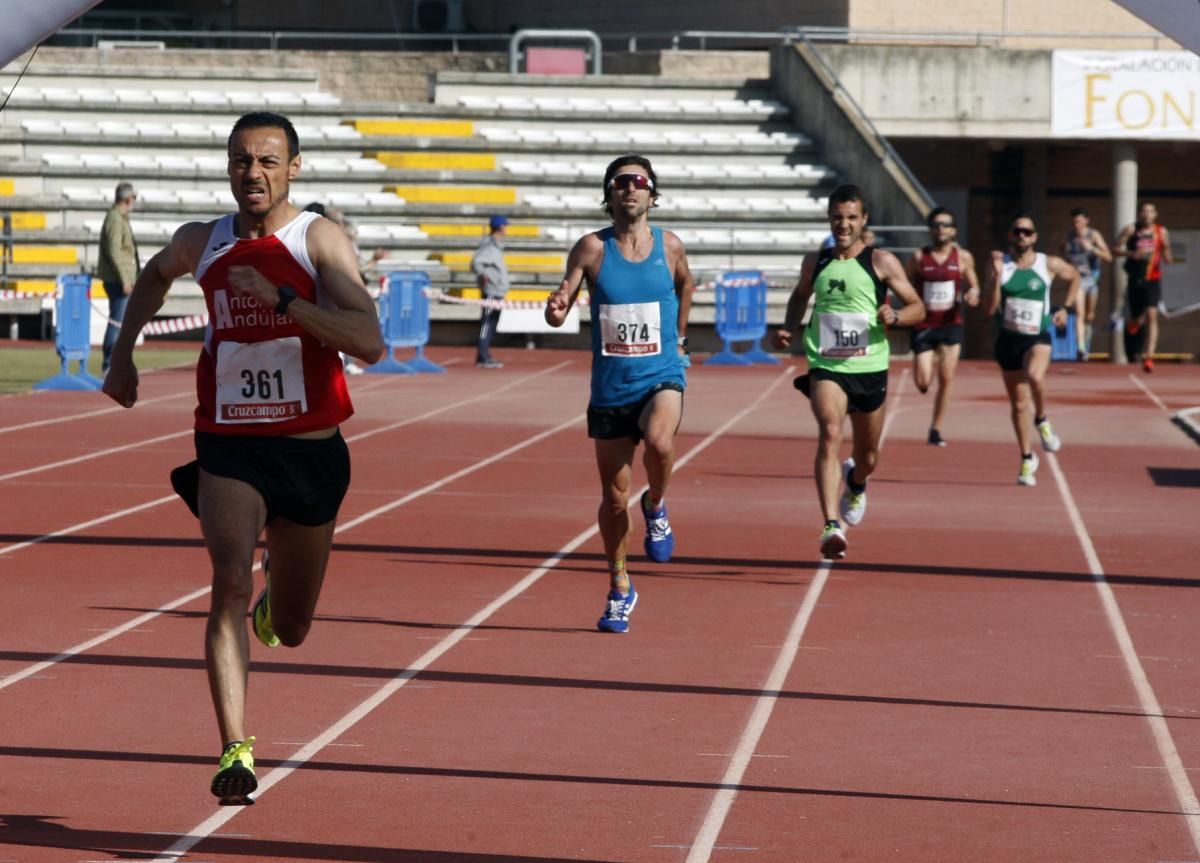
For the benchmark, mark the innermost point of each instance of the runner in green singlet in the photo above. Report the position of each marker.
(847, 349)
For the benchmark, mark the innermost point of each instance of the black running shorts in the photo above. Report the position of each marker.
(865, 391)
(612, 423)
(300, 479)
(1011, 348)
(930, 337)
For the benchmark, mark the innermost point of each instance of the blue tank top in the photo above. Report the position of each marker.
(635, 328)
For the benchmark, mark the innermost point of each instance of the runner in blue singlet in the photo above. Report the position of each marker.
(641, 293)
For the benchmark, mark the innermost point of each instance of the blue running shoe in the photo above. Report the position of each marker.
(660, 542)
(616, 612)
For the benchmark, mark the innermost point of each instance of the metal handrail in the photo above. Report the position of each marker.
(514, 45)
(675, 39)
(863, 118)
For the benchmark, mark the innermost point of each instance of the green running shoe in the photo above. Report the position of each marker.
(235, 779)
(262, 610)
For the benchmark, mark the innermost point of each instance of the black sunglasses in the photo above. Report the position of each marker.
(637, 181)
(1023, 232)
(942, 225)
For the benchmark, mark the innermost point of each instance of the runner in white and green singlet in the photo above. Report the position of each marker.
(1019, 283)
(847, 349)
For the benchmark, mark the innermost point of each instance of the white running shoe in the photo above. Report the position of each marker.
(1050, 441)
(833, 543)
(853, 506)
(1028, 474)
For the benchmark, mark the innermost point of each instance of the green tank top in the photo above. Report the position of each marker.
(1024, 297)
(844, 333)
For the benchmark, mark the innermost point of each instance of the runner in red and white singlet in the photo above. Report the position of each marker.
(944, 275)
(284, 296)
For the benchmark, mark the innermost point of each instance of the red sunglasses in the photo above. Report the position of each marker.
(624, 181)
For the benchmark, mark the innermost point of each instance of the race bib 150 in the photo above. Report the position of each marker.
(844, 334)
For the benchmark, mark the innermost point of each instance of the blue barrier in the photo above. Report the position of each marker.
(72, 336)
(404, 318)
(741, 317)
(1064, 343)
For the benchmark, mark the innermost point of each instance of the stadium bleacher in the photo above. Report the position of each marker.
(740, 185)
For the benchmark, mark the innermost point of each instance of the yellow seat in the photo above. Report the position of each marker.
(456, 194)
(7, 186)
(28, 221)
(471, 229)
(45, 255)
(414, 128)
(435, 161)
(460, 261)
(525, 295)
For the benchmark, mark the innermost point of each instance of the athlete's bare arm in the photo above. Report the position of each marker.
(583, 262)
(352, 326)
(1166, 252)
(685, 284)
(993, 282)
(1062, 271)
(797, 304)
(891, 273)
(1121, 246)
(177, 258)
(966, 264)
(1100, 247)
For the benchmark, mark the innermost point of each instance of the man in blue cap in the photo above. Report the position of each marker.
(491, 274)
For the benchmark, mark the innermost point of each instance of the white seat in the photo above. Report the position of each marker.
(211, 163)
(324, 163)
(104, 161)
(522, 168)
(97, 96)
(719, 139)
(245, 98)
(347, 199)
(733, 106)
(516, 103)
(583, 103)
(770, 205)
(661, 106)
(708, 172)
(340, 131)
(93, 226)
(61, 94)
(560, 169)
(309, 133)
(478, 103)
(192, 130)
(128, 96)
(176, 163)
(406, 232)
(372, 231)
(574, 136)
(195, 196)
(208, 98)
(552, 104)
(42, 127)
(171, 97)
(537, 136)
(282, 98)
(548, 202)
(84, 194)
(384, 199)
(116, 128)
(492, 133)
(158, 196)
(743, 172)
(785, 172)
(155, 130)
(80, 128)
(696, 106)
(24, 96)
(583, 202)
(649, 138)
(318, 99)
(138, 161)
(365, 166)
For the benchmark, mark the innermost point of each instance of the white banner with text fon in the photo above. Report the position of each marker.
(1144, 95)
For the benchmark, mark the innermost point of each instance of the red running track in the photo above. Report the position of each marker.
(994, 673)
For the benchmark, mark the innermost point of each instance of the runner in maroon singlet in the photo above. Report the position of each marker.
(944, 275)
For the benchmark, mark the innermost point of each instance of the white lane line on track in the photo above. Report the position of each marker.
(89, 414)
(1162, 406)
(125, 627)
(306, 753)
(1185, 795)
(706, 837)
(93, 455)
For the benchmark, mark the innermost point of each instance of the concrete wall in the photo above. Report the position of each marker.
(844, 139)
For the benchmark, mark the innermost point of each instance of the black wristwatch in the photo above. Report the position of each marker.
(682, 341)
(286, 295)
